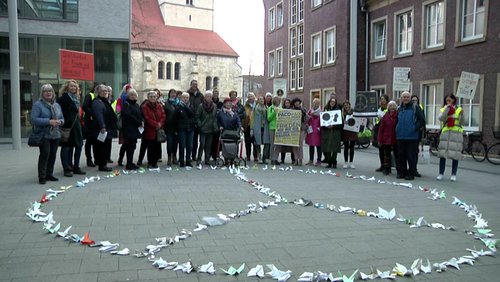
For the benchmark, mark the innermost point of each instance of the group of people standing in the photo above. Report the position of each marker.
(190, 123)
(401, 129)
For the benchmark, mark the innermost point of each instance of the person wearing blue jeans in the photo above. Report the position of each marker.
(185, 128)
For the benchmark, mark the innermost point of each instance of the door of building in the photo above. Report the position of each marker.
(27, 92)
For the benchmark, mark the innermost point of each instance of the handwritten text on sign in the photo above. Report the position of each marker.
(76, 65)
(467, 85)
(288, 127)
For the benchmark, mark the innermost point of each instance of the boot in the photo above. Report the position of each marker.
(169, 160)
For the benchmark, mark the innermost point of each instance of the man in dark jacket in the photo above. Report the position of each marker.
(195, 100)
(87, 120)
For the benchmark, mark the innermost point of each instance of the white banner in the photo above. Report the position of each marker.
(467, 85)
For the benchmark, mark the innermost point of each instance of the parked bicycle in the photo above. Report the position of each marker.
(432, 140)
(493, 152)
(474, 146)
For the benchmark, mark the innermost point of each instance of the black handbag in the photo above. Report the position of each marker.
(161, 136)
(35, 138)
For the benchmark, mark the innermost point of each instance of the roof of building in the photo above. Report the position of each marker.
(150, 32)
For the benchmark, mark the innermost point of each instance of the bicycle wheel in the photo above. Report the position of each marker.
(493, 154)
(242, 163)
(433, 148)
(478, 151)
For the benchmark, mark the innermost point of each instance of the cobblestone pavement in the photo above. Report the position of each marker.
(135, 209)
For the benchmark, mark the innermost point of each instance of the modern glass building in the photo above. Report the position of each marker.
(45, 26)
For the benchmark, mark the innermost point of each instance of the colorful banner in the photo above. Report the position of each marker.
(76, 65)
(288, 127)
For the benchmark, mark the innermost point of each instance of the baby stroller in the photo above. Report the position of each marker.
(230, 142)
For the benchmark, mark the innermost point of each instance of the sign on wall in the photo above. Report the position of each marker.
(467, 85)
(76, 65)
(288, 127)
(279, 84)
(401, 79)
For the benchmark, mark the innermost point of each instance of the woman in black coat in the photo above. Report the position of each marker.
(103, 122)
(72, 148)
(185, 125)
(131, 122)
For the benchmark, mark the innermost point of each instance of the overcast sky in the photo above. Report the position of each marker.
(241, 24)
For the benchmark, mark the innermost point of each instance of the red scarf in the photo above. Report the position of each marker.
(451, 116)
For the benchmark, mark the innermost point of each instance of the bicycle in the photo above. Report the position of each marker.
(493, 152)
(475, 146)
(432, 140)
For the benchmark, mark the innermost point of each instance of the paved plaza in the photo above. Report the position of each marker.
(135, 209)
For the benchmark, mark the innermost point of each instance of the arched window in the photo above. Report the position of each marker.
(177, 71)
(169, 70)
(216, 81)
(208, 83)
(161, 70)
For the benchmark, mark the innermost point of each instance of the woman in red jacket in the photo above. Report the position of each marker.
(154, 119)
(387, 136)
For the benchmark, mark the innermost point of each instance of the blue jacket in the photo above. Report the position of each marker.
(410, 120)
(228, 122)
(41, 115)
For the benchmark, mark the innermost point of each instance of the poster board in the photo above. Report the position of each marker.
(366, 104)
(288, 124)
(279, 84)
(76, 65)
(354, 124)
(331, 118)
(467, 85)
(401, 79)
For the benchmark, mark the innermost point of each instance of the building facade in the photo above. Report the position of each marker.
(173, 42)
(45, 27)
(437, 40)
(307, 42)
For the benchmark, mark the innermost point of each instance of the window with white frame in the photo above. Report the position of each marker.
(293, 12)
(330, 46)
(434, 24)
(397, 94)
(380, 90)
(404, 32)
(301, 10)
(472, 19)
(293, 75)
(316, 50)
(293, 42)
(279, 61)
(300, 39)
(316, 3)
(272, 19)
(379, 38)
(432, 100)
(279, 14)
(300, 73)
(471, 107)
(271, 63)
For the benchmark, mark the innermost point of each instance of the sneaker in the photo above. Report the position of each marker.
(453, 178)
(345, 166)
(352, 166)
(439, 177)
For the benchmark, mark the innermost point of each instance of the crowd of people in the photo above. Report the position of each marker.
(191, 124)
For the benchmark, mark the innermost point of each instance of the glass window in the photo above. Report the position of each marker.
(161, 70)
(434, 24)
(293, 12)
(48, 57)
(111, 63)
(44, 9)
(272, 19)
(301, 10)
(216, 81)
(270, 63)
(208, 83)
(293, 72)
(279, 61)
(169, 70)
(471, 107)
(404, 34)
(330, 46)
(279, 14)
(189, 2)
(432, 100)
(300, 37)
(472, 17)
(379, 39)
(300, 73)
(316, 50)
(316, 3)
(293, 42)
(177, 71)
